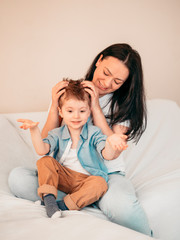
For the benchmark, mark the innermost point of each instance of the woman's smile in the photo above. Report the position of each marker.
(109, 75)
(102, 87)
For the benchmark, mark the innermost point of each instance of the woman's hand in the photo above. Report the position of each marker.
(93, 91)
(27, 124)
(98, 117)
(57, 91)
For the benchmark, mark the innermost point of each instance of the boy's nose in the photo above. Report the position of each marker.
(76, 114)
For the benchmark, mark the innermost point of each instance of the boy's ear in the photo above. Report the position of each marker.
(60, 112)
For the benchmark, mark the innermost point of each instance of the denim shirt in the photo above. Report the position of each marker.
(89, 148)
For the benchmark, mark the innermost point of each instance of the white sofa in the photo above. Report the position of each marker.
(153, 165)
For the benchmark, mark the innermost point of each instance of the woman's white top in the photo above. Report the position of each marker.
(118, 163)
(105, 104)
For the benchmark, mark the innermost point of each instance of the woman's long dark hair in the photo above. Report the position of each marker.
(128, 102)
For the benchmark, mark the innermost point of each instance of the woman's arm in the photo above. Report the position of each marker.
(99, 119)
(53, 120)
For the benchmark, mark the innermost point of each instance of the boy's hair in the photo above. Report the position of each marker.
(74, 90)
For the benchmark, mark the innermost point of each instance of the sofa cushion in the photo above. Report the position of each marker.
(14, 151)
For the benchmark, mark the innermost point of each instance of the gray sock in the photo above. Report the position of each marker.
(51, 206)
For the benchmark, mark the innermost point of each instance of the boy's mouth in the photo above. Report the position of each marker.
(76, 122)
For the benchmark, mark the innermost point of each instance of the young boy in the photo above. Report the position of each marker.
(77, 166)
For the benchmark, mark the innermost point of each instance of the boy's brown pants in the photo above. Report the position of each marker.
(82, 189)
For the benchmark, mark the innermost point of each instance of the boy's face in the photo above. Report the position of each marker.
(74, 112)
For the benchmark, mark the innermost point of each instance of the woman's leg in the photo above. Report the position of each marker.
(121, 205)
(23, 183)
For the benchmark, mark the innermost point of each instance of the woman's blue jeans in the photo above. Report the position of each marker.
(119, 204)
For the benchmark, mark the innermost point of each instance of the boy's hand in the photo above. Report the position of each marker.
(27, 124)
(117, 141)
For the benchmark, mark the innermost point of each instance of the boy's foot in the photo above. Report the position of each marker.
(39, 202)
(52, 208)
(61, 204)
(56, 214)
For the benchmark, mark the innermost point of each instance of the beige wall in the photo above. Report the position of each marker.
(42, 41)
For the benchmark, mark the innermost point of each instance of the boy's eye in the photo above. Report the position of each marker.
(83, 110)
(70, 111)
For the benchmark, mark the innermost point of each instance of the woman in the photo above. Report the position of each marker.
(115, 83)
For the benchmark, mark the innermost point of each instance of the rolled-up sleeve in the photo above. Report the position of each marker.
(53, 141)
(99, 141)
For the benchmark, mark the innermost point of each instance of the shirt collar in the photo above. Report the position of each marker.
(83, 134)
(84, 131)
(65, 132)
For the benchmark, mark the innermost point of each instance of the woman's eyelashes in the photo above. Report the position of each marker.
(117, 81)
(106, 73)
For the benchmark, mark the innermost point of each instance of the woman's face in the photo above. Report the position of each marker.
(109, 75)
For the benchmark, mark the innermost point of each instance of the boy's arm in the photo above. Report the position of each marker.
(40, 147)
(115, 144)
